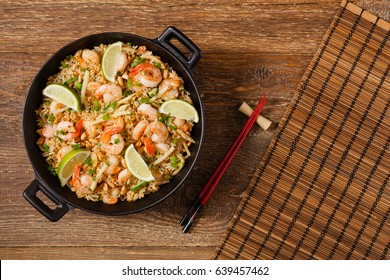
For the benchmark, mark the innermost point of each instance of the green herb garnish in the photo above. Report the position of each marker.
(95, 106)
(52, 170)
(144, 100)
(78, 86)
(45, 148)
(70, 80)
(76, 146)
(138, 186)
(88, 162)
(137, 61)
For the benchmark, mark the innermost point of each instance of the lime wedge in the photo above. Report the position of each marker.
(110, 61)
(179, 109)
(137, 165)
(69, 161)
(64, 95)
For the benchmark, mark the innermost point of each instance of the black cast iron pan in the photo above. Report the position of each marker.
(63, 197)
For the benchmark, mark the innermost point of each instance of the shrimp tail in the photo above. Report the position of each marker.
(79, 128)
(108, 132)
(76, 177)
(149, 146)
(137, 69)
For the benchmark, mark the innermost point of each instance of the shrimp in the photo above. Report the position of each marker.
(182, 124)
(159, 131)
(124, 176)
(68, 131)
(148, 111)
(49, 131)
(139, 129)
(113, 167)
(147, 74)
(111, 198)
(115, 145)
(109, 93)
(111, 127)
(81, 183)
(91, 56)
(168, 89)
(162, 147)
(63, 151)
(90, 129)
(57, 107)
(123, 62)
(92, 87)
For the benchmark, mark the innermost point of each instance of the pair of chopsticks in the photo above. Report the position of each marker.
(208, 189)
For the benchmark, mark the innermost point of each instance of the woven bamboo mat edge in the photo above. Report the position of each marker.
(379, 22)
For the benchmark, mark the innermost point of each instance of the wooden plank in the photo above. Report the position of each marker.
(105, 252)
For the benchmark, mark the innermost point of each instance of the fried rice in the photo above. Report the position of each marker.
(113, 117)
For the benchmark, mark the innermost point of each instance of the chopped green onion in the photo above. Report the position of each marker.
(174, 162)
(175, 141)
(52, 170)
(45, 147)
(106, 117)
(78, 86)
(95, 105)
(153, 92)
(137, 61)
(91, 171)
(116, 141)
(76, 146)
(144, 100)
(70, 80)
(64, 65)
(50, 118)
(157, 64)
(138, 186)
(108, 106)
(88, 162)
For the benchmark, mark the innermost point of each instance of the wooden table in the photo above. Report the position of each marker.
(250, 48)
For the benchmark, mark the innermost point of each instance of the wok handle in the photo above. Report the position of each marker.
(30, 194)
(173, 33)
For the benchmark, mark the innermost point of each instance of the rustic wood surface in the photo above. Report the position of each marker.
(250, 48)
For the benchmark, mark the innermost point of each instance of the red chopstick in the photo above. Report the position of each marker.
(208, 189)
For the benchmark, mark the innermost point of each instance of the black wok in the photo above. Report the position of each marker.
(63, 197)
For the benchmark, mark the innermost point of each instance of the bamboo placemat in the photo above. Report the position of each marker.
(322, 189)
